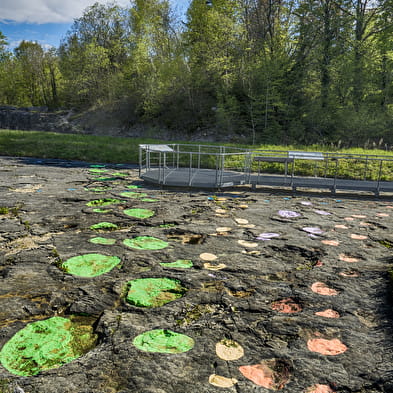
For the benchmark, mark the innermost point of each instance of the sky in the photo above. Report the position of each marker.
(47, 21)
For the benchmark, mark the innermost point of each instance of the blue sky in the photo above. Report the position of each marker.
(47, 21)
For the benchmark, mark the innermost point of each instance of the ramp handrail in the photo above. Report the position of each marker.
(331, 166)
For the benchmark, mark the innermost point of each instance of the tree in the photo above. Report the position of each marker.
(30, 57)
(155, 57)
(52, 79)
(105, 25)
(384, 44)
(10, 90)
(93, 53)
(214, 40)
(3, 46)
(38, 74)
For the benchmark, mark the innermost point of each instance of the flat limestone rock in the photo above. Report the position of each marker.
(305, 305)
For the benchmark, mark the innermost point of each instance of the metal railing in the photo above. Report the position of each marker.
(250, 166)
(351, 166)
(193, 158)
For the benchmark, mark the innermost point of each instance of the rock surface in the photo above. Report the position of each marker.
(269, 299)
(104, 121)
(37, 119)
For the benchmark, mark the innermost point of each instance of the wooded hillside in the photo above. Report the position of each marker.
(277, 71)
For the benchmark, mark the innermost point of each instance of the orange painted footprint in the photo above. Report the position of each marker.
(318, 388)
(329, 313)
(348, 258)
(322, 289)
(287, 306)
(327, 347)
(271, 374)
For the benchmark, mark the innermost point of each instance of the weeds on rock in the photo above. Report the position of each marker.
(386, 243)
(194, 313)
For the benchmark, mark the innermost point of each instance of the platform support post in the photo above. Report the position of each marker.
(140, 161)
(335, 176)
(379, 178)
(365, 169)
(190, 171)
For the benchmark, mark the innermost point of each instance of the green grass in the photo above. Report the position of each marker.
(106, 149)
(89, 148)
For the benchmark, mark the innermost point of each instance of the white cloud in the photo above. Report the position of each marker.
(46, 11)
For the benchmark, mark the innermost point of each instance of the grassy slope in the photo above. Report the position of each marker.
(106, 148)
(70, 146)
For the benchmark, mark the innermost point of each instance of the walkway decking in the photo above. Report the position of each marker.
(210, 179)
(196, 178)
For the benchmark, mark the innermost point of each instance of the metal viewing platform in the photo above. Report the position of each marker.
(215, 167)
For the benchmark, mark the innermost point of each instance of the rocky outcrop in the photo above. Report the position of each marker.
(100, 121)
(35, 118)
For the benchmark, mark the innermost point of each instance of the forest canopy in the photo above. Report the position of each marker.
(277, 71)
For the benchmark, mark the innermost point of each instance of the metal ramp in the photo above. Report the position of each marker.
(214, 167)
